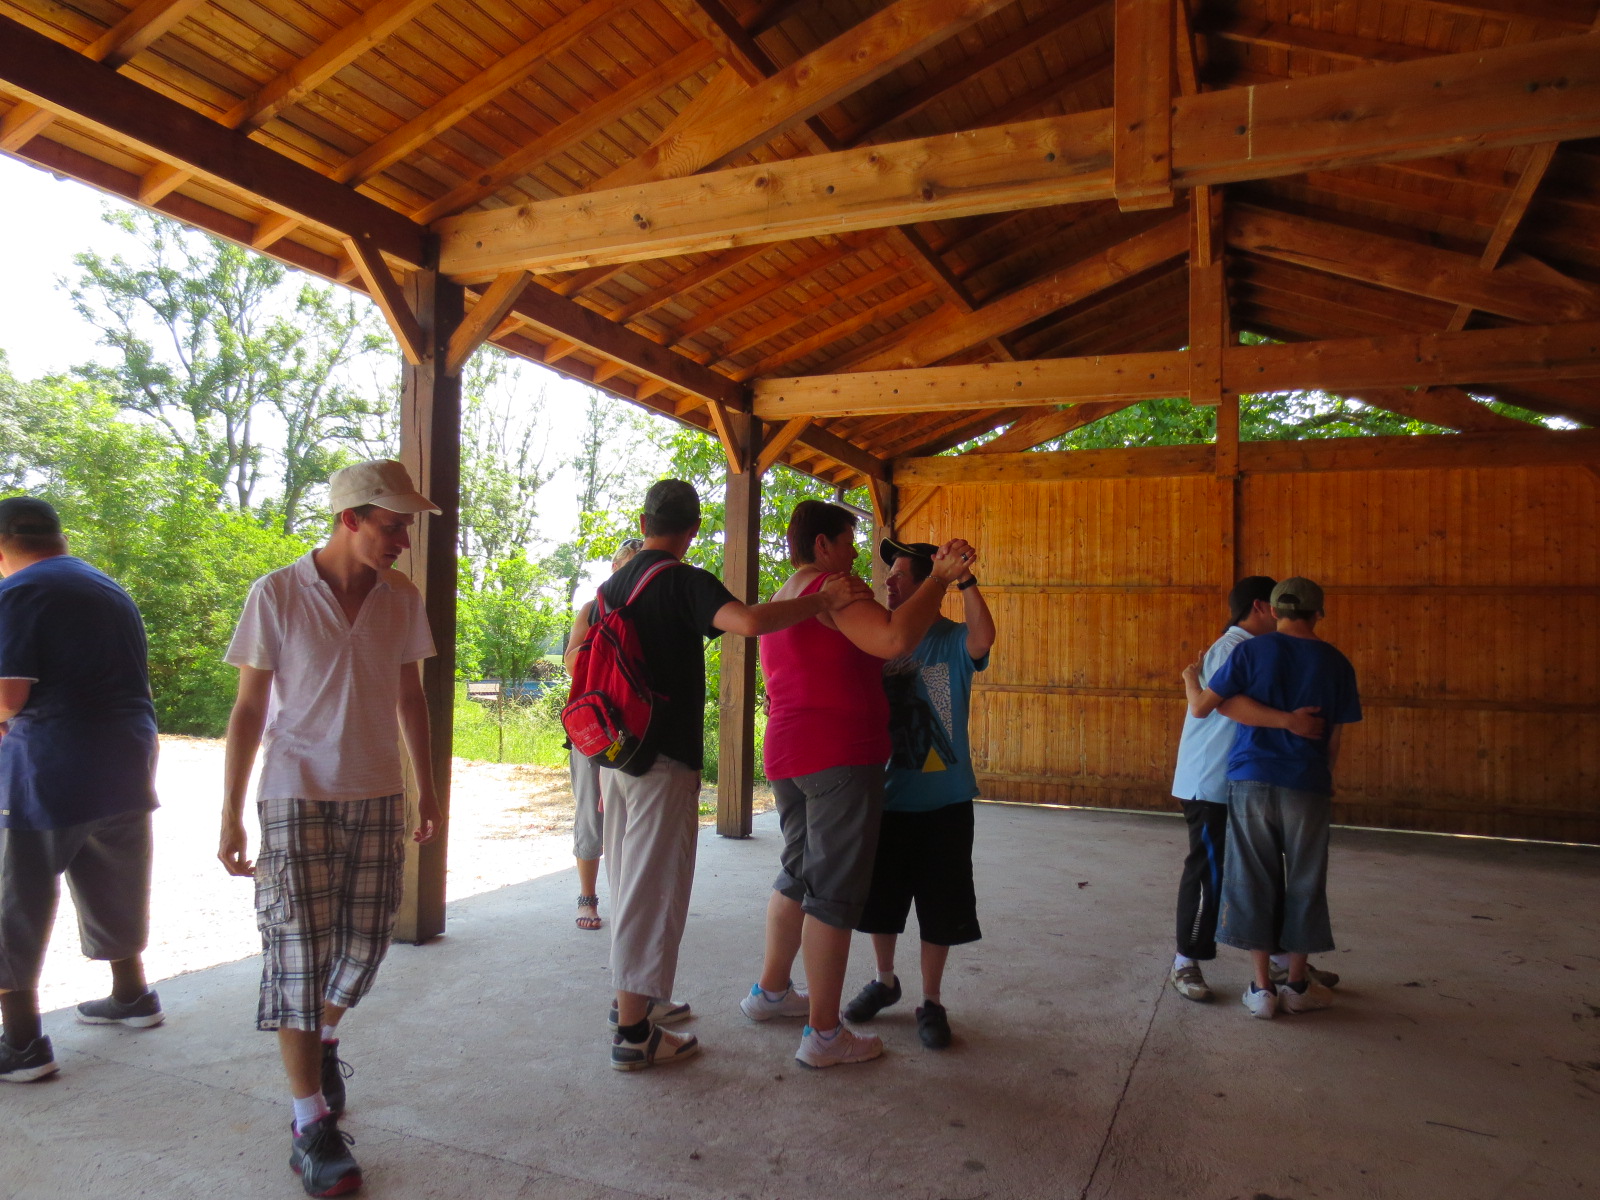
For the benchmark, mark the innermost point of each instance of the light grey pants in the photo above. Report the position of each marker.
(652, 826)
(587, 839)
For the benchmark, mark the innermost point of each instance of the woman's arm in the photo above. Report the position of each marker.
(884, 634)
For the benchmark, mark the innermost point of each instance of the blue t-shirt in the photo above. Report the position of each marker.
(930, 695)
(1287, 673)
(84, 745)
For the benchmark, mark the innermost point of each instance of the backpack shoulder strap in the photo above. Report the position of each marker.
(649, 575)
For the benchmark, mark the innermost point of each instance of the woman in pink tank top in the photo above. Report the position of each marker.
(826, 744)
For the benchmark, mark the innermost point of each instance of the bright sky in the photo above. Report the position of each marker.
(41, 334)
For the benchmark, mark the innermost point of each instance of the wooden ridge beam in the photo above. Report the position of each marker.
(1535, 92)
(1523, 289)
(1534, 448)
(51, 76)
(1448, 408)
(981, 386)
(944, 333)
(1276, 35)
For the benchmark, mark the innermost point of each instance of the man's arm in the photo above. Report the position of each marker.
(753, 620)
(14, 695)
(1335, 740)
(414, 728)
(980, 622)
(1302, 721)
(245, 725)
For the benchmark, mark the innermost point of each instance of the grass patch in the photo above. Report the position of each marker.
(510, 733)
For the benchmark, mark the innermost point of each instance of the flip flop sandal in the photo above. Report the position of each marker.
(593, 922)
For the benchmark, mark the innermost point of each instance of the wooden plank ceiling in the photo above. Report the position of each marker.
(774, 191)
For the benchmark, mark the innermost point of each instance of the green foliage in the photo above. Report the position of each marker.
(132, 505)
(512, 733)
(504, 625)
(214, 352)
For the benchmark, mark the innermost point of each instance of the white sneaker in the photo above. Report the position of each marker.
(845, 1046)
(1314, 997)
(1280, 975)
(793, 1003)
(660, 1012)
(1261, 1004)
(657, 1050)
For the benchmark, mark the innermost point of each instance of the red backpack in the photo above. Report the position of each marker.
(609, 709)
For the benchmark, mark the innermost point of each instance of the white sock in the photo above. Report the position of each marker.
(830, 1034)
(774, 997)
(308, 1109)
(1179, 962)
(1281, 961)
(886, 978)
(330, 1033)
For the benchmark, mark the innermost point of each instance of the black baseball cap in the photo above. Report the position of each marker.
(889, 550)
(674, 500)
(24, 515)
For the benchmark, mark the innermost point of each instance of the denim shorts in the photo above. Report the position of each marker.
(1275, 880)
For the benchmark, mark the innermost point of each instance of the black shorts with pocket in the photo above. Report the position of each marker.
(926, 858)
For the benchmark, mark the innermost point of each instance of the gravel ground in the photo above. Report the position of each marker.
(509, 823)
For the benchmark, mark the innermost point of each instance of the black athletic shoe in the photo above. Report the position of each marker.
(334, 1072)
(321, 1157)
(871, 1000)
(933, 1026)
(33, 1061)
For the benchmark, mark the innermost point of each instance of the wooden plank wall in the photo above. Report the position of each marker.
(1468, 600)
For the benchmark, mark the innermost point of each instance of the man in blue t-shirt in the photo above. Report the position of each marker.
(925, 843)
(77, 764)
(1280, 795)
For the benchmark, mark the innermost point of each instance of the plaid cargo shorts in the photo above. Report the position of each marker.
(328, 880)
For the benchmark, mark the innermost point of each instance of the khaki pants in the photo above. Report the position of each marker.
(652, 826)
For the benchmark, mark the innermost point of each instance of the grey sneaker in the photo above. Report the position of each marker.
(659, 1049)
(1262, 1004)
(1314, 997)
(142, 1013)
(845, 1046)
(1280, 975)
(871, 1000)
(1189, 983)
(793, 1003)
(34, 1061)
(659, 1012)
(321, 1156)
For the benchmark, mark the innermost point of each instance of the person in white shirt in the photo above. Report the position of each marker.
(1200, 785)
(328, 651)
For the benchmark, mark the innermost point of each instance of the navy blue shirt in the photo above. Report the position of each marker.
(1287, 673)
(84, 745)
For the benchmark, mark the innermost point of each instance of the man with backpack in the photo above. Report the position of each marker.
(652, 800)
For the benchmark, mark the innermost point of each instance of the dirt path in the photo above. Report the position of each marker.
(509, 823)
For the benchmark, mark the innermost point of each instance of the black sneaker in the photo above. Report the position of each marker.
(321, 1157)
(334, 1072)
(33, 1061)
(933, 1026)
(143, 1013)
(871, 1000)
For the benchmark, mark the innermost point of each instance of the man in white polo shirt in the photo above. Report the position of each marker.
(328, 651)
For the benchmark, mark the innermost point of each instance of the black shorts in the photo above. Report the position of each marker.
(925, 857)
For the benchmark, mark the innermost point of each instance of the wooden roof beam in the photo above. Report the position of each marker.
(837, 331)
(943, 333)
(1142, 84)
(54, 77)
(1300, 38)
(1523, 290)
(1446, 407)
(1521, 94)
(1025, 435)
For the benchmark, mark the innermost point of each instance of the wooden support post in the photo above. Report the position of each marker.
(885, 499)
(1142, 99)
(736, 742)
(1209, 328)
(430, 446)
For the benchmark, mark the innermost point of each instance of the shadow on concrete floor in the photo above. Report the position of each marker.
(1462, 1059)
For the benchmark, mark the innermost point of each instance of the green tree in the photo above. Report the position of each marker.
(240, 372)
(503, 447)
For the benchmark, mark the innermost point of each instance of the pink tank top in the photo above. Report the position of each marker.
(826, 705)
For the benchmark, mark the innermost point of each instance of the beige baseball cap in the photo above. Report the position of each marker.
(1298, 594)
(383, 482)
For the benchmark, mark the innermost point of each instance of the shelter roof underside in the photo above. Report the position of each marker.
(794, 188)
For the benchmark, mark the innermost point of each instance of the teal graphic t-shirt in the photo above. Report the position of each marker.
(930, 695)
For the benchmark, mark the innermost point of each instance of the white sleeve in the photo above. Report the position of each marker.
(257, 639)
(419, 638)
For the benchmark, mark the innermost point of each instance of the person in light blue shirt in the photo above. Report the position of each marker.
(925, 843)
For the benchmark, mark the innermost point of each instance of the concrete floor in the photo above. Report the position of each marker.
(1462, 1060)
